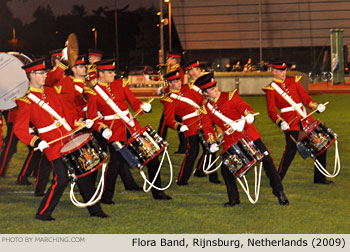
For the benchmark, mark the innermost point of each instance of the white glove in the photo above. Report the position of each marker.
(89, 123)
(249, 118)
(107, 133)
(321, 108)
(146, 107)
(183, 128)
(284, 126)
(160, 90)
(43, 145)
(214, 148)
(65, 54)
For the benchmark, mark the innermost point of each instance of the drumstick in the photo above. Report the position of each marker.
(71, 133)
(313, 112)
(140, 110)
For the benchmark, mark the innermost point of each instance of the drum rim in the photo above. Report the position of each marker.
(154, 155)
(136, 135)
(92, 170)
(316, 122)
(77, 147)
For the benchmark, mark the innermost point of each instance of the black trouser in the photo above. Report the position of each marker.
(10, 148)
(289, 154)
(30, 164)
(163, 131)
(190, 159)
(125, 173)
(58, 186)
(117, 164)
(270, 171)
(43, 175)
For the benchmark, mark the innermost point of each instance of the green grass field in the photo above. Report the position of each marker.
(198, 208)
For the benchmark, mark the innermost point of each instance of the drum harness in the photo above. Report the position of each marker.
(304, 115)
(130, 121)
(257, 174)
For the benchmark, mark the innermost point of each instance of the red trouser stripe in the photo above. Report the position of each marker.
(52, 191)
(26, 166)
(6, 153)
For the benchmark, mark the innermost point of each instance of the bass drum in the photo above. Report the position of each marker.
(13, 79)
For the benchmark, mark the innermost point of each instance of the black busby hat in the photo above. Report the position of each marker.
(173, 54)
(108, 64)
(189, 65)
(206, 81)
(174, 75)
(56, 53)
(279, 64)
(35, 65)
(95, 52)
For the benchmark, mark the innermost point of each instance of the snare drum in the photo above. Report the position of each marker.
(316, 137)
(83, 155)
(240, 157)
(146, 144)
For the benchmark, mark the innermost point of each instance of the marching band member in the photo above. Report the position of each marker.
(194, 71)
(110, 98)
(72, 93)
(94, 56)
(173, 63)
(59, 66)
(185, 102)
(278, 92)
(43, 107)
(224, 108)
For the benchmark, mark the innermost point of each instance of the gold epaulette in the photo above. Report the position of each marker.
(298, 78)
(203, 110)
(24, 98)
(125, 82)
(166, 98)
(172, 68)
(268, 87)
(230, 95)
(58, 89)
(62, 66)
(89, 91)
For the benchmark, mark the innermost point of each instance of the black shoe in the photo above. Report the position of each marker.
(44, 217)
(282, 198)
(324, 182)
(181, 183)
(107, 202)
(199, 174)
(231, 203)
(134, 188)
(39, 194)
(99, 215)
(161, 196)
(23, 182)
(215, 181)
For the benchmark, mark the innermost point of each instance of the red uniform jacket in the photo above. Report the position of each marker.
(295, 90)
(119, 92)
(72, 93)
(30, 112)
(233, 106)
(55, 75)
(174, 106)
